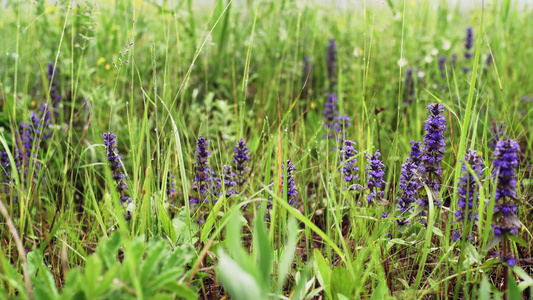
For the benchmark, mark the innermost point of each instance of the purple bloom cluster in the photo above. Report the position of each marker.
(171, 184)
(229, 180)
(409, 181)
(334, 123)
(505, 221)
(115, 164)
(497, 131)
(349, 165)
(292, 192)
(205, 182)
(469, 41)
(468, 190)
(5, 164)
(330, 111)
(433, 150)
(375, 171)
(442, 66)
(332, 63)
(489, 59)
(240, 161)
(409, 92)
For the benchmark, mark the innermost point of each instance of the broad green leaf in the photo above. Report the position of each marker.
(155, 254)
(512, 291)
(322, 271)
(181, 291)
(484, 288)
(341, 283)
(527, 280)
(262, 248)
(239, 284)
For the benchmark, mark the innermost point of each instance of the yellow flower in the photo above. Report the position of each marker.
(313, 104)
(100, 61)
(107, 66)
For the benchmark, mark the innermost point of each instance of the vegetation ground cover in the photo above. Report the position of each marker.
(265, 149)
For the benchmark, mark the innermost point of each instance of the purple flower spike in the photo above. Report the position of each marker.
(409, 182)
(240, 161)
(469, 41)
(115, 164)
(332, 63)
(433, 150)
(497, 131)
(348, 164)
(292, 192)
(468, 190)
(505, 221)
(442, 66)
(375, 171)
(330, 111)
(170, 184)
(205, 181)
(468, 187)
(409, 92)
(505, 162)
(229, 180)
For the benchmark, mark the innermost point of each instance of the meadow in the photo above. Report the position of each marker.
(266, 150)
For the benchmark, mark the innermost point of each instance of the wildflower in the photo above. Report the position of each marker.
(332, 63)
(409, 181)
(292, 192)
(330, 111)
(489, 59)
(349, 165)
(115, 164)
(342, 122)
(442, 66)
(497, 133)
(170, 184)
(407, 189)
(433, 150)
(469, 41)
(375, 171)
(505, 220)
(205, 181)
(409, 87)
(229, 180)
(5, 164)
(468, 190)
(240, 161)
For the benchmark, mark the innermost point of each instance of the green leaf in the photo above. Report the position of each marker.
(517, 240)
(262, 248)
(322, 271)
(93, 270)
(285, 263)
(208, 226)
(181, 291)
(341, 283)
(484, 288)
(166, 224)
(155, 254)
(512, 291)
(527, 280)
(239, 284)
(186, 230)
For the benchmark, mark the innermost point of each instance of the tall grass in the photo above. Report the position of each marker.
(161, 75)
